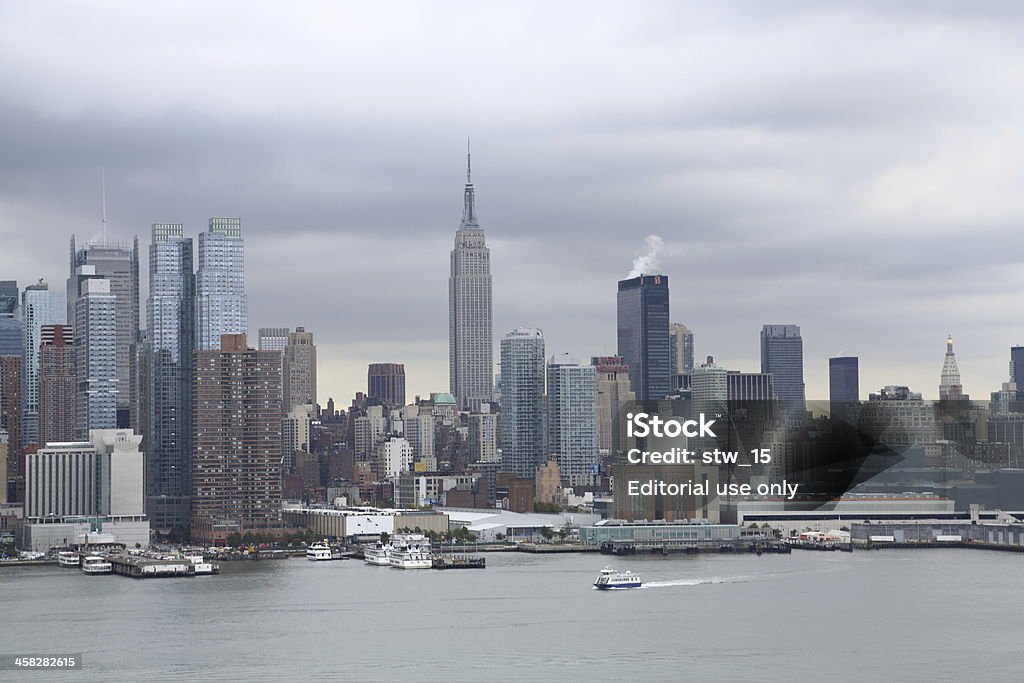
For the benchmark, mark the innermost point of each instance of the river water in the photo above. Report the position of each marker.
(885, 615)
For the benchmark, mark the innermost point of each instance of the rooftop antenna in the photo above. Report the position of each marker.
(103, 186)
(469, 174)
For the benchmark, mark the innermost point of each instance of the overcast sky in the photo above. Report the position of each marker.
(855, 170)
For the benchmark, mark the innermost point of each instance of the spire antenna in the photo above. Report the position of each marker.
(469, 200)
(103, 192)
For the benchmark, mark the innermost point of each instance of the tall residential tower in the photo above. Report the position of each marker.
(221, 304)
(170, 317)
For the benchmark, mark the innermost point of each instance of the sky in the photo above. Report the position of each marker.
(851, 168)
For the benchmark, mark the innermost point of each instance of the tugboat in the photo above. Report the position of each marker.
(610, 579)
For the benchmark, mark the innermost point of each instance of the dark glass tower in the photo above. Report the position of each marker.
(1017, 367)
(643, 331)
(782, 355)
(843, 379)
(170, 316)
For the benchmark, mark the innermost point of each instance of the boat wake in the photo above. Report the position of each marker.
(697, 582)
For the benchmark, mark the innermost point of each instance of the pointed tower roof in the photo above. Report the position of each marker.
(469, 198)
(950, 371)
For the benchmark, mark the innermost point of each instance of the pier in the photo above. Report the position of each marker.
(146, 568)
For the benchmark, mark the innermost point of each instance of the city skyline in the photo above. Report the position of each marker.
(778, 174)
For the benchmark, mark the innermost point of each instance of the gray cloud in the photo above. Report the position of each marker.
(851, 168)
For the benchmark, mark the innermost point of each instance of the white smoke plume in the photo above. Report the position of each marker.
(649, 263)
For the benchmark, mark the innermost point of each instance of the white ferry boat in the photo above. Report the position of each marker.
(611, 579)
(411, 557)
(94, 564)
(319, 551)
(69, 558)
(379, 555)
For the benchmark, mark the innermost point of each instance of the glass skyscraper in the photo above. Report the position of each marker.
(39, 307)
(782, 355)
(170, 317)
(843, 379)
(118, 262)
(221, 304)
(522, 402)
(643, 335)
(96, 339)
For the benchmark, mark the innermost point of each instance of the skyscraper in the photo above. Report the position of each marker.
(96, 356)
(843, 379)
(299, 368)
(221, 304)
(950, 388)
(12, 341)
(118, 262)
(39, 307)
(612, 385)
(57, 384)
(709, 386)
(8, 298)
(572, 428)
(643, 334)
(1017, 366)
(236, 460)
(522, 402)
(170, 316)
(11, 350)
(470, 332)
(782, 355)
(681, 341)
(385, 382)
(10, 411)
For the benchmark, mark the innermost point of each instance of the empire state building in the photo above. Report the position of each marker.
(470, 333)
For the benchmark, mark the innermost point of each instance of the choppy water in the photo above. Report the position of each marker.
(891, 615)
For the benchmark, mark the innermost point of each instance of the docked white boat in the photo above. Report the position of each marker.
(411, 557)
(69, 558)
(379, 554)
(611, 579)
(201, 567)
(94, 564)
(319, 552)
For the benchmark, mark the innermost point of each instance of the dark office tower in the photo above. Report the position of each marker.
(644, 335)
(170, 322)
(522, 402)
(470, 330)
(56, 384)
(782, 355)
(1017, 368)
(236, 459)
(843, 379)
(118, 262)
(386, 383)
